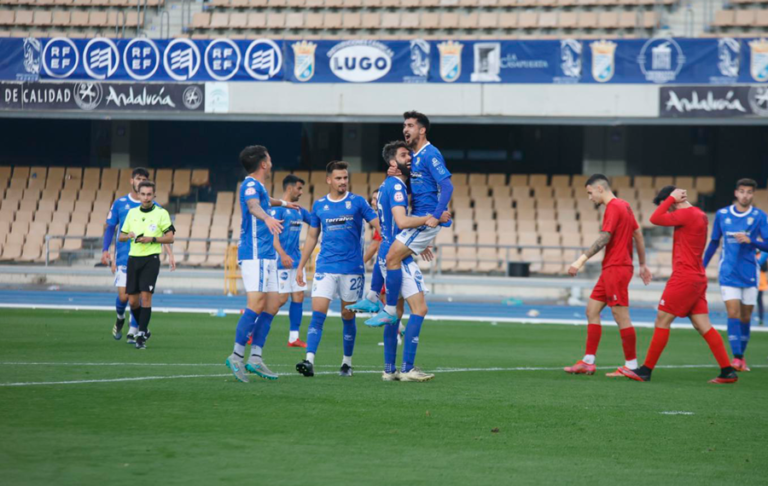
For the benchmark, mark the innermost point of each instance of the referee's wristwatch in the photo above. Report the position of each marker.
(154, 239)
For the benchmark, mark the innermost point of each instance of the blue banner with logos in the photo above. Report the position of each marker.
(720, 61)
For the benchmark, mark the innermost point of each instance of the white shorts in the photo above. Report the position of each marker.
(413, 280)
(259, 275)
(121, 276)
(348, 288)
(747, 295)
(418, 239)
(286, 281)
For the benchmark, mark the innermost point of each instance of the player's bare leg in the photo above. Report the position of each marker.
(628, 339)
(586, 365)
(659, 341)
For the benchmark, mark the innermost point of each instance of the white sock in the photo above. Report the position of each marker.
(311, 357)
(292, 336)
(400, 328)
(347, 360)
(631, 364)
(589, 359)
(390, 309)
(121, 316)
(256, 351)
(133, 330)
(239, 350)
(372, 296)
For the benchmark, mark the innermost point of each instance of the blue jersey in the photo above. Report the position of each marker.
(116, 218)
(341, 225)
(738, 262)
(289, 238)
(427, 172)
(392, 192)
(255, 239)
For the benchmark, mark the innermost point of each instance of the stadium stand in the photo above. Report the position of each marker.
(741, 18)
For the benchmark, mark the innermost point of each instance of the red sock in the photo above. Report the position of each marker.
(629, 343)
(715, 342)
(658, 343)
(594, 332)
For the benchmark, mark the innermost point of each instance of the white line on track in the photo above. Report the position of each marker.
(320, 373)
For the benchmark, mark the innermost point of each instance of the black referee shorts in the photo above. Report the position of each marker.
(142, 274)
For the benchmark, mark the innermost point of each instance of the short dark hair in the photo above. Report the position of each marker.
(252, 156)
(292, 180)
(390, 150)
(140, 171)
(597, 178)
(421, 118)
(335, 165)
(663, 194)
(746, 183)
(151, 184)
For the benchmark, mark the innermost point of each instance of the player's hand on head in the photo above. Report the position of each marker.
(679, 195)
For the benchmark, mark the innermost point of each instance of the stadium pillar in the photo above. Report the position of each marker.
(360, 146)
(605, 150)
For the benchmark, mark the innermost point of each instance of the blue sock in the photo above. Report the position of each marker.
(120, 307)
(390, 347)
(315, 332)
(377, 279)
(350, 332)
(245, 326)
(411, 341)
(263, 325)
(294, 315)
(745, 334)
(394, 284)
(734, 336)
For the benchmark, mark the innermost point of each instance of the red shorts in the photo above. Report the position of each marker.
(685, 296)
(613, 286)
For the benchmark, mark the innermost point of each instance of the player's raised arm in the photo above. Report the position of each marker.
(309, 246)
(275, 226)
(599, 244)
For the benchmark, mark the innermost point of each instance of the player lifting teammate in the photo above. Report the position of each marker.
(739, 224)
(339, 271)
(431, 190)
(685, 294)
(287, 247)
(612, 289)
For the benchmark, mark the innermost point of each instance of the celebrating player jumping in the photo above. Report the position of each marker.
(685, 294)
(612, 289)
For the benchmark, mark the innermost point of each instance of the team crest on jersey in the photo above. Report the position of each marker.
(127, 206)
(750, 220)
(273, 212)
(348, 204)
(153, 227)
(450, 60)
(250, 191)
(399, 197)
(727, 220)
(398, 187)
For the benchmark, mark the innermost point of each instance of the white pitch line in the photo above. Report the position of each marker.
(322, 373)
(21, 363)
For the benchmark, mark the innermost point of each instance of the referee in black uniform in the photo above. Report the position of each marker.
(148, 227)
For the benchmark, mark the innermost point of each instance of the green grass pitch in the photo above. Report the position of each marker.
(490, 424)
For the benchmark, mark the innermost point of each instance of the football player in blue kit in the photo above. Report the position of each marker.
(119, 264)
(258, 264)
(431, 190)
(339, 270)
(739, 225)
(287, 247)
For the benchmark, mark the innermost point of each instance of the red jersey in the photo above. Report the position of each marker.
(619, 221)
(690, 237)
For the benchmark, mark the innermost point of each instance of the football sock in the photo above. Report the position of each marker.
(658, 343)
(594, 332)
(411, 343)
(311, 357)
(346, 360)
(390, 348)
(315, 333)
(120, 308)
(629, 344)
(256, 351)
(244, 330)
(394, 285)
(734, 336)
(293, 336)
(745, 334)
(377, 282)
(146, 315)
(716, 345)
(294, 316)
(263, 325)
(136, 315)
(350, 333)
